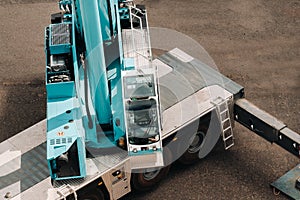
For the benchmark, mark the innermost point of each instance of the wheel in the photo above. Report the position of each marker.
(148, 178)
(190, 156)
(92, 193)
(145, 179)
(204, 140)
(96, 194)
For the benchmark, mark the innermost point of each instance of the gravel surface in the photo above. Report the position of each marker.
(255, 43)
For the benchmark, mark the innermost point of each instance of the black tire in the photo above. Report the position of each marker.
(190, 156)
(93, 193)
(145, 179)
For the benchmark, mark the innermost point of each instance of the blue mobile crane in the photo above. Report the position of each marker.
(117, 118)
(104, 94)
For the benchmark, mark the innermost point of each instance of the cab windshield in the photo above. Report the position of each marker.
(139, 86)
(142, 122)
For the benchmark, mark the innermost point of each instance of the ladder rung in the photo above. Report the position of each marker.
(229, 127)
(227, 119)
(224, 117)
(223, 106)
(227, 138)
(227, 147)
(230, 140)
(224, 111)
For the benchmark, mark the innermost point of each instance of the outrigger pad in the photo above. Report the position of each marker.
(287, 183)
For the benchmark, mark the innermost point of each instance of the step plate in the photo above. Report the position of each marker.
(287, 183)
(147, 161)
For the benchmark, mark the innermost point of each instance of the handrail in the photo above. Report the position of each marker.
(144, 48)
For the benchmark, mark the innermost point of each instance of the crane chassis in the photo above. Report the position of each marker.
(117, 118)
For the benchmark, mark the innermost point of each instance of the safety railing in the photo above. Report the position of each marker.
(140, 35)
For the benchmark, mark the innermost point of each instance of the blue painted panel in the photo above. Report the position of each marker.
(104, 20)
(60, 90)
(59, 49)
(64, 128)
(117, 105)
(81, 156)
(95, 61)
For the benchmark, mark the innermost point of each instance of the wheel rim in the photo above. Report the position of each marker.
(150, 174)
(196, 142)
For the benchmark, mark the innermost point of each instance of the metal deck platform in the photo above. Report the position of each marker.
(25, 153)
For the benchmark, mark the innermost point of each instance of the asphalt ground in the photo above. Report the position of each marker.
(255, 43)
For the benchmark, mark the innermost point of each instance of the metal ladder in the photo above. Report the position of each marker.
(66, 190)
(224, 117)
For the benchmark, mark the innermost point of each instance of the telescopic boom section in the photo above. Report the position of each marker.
(95, 26)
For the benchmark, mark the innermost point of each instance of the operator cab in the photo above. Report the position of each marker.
(141, 108)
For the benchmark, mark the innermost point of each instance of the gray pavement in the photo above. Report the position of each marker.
(256, 43)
